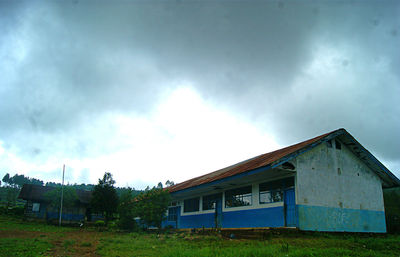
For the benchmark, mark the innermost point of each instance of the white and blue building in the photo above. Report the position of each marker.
(328, 183)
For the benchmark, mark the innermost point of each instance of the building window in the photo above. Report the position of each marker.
(272, 192)
(238, 197)
(329, 143)
(35, 207)
(270, 195)
(191, 205)
(209, 201)
(172, 214)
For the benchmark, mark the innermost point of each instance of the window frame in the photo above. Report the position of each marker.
(271, 197)
(212, 198)
(186, 204)
(235, 195)
(274, 187)
(172, 216)
(36, 209)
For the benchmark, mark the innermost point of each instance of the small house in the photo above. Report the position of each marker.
(327, 183)
(38, 206)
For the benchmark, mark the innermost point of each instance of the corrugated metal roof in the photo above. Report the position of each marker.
(37, 193)
(250, 164)
(272, 157)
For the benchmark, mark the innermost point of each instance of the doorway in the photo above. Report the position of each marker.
(290, 208)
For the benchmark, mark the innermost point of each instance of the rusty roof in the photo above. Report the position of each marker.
(247, 165)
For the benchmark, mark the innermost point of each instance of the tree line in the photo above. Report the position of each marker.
(19, 180)
(122, 204)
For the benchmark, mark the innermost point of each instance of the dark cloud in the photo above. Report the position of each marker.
(70, 62)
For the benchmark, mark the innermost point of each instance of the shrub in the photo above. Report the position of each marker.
(17, 211)
(127, 223)
(3, 210)
(112, 225)
(100, 223)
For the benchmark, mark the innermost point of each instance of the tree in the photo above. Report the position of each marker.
(12, 194)
(151, 206)
(6, 178)
(104, 197)
(70, 198)
(159, 185)
(126, 210)
(11, 191)
(169, 183)
(19, 180)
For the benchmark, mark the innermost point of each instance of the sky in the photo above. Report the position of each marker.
(169, 90)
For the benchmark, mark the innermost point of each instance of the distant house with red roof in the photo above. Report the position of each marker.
(328, 183)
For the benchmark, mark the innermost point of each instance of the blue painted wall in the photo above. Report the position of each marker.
(265, 217)
(197, 221)
(65, 216)
(320, 218)
(56, 215)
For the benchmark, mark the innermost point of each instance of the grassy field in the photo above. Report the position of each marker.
(18, 238)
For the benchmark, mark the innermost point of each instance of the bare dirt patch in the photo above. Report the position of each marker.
(22, 234)
(76, 243)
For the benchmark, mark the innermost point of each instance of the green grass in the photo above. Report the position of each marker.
(298, 245)
(16, 223)
(86, 244)
(23, 247)
(67, 243)
(19, 238)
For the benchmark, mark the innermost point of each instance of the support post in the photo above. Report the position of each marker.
(62, 195)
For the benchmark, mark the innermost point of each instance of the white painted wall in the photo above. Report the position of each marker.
(320, 183)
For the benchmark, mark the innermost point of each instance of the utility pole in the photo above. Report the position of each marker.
(62, 195)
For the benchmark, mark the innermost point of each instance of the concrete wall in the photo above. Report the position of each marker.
(335, 191)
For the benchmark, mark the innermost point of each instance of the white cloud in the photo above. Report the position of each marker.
(184, 137)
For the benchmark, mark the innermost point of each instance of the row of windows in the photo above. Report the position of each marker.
(269, 192)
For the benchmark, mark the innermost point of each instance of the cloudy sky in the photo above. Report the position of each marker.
(157, 90)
